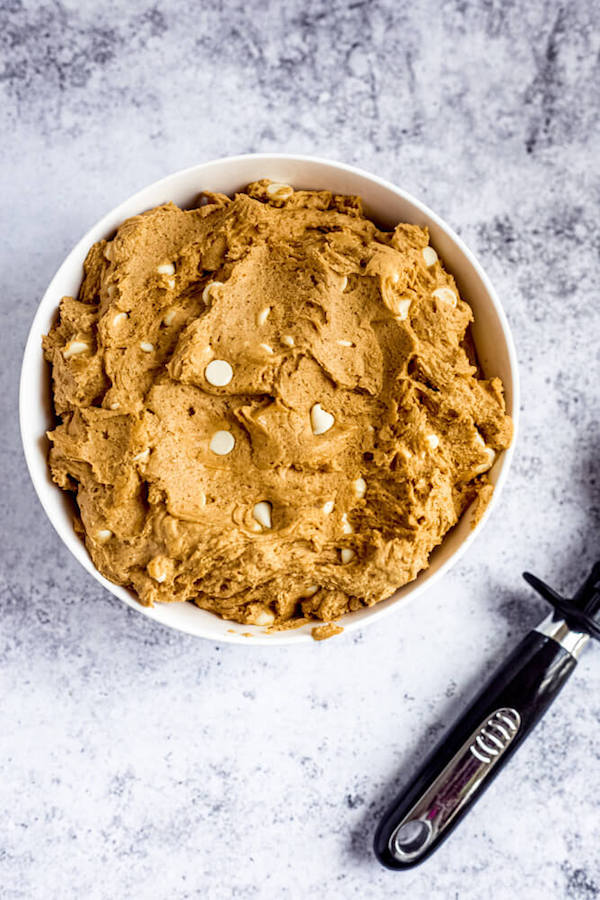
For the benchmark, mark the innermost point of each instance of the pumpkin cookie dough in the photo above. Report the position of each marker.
(268, 406)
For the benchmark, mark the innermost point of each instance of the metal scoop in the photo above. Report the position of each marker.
(482, 741)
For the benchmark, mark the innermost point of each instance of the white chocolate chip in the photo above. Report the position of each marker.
(171, 527)
(430, 257)
(74, 348)
(488, 462)
(446, 295)
(396, 277)
(288, 340)
(103, 535)
(119, 319)
(171, 283)
(262, 513)
(110, 290)
(360, 487)
(263, 617)
(143, 456)
(320, 420)
(209, 290)
(432, 441)
(222, 443)
(346, 526)
(278, 191)
(401, 308)
(115, 405)
(146, 346)
(166, 269)
(328, 507)
(346, 555)
(170, 316)
(218, 372)
(490, 454)
(310, 591)
(344, 343)
(263, 315)
(157, 568)
(266, 348)
(344, 283)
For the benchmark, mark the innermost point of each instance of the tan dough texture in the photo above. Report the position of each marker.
(358, 430)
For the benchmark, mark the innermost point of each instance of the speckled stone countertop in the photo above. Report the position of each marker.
(137, 762)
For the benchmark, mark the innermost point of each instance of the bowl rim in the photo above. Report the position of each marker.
(260, 637)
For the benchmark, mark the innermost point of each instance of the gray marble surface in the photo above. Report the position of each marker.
(137, 762)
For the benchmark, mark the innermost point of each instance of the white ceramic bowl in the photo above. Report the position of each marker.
(385, 203)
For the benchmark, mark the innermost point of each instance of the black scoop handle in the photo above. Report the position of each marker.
(474, 751)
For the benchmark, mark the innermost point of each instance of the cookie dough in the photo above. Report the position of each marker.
(268, 406)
